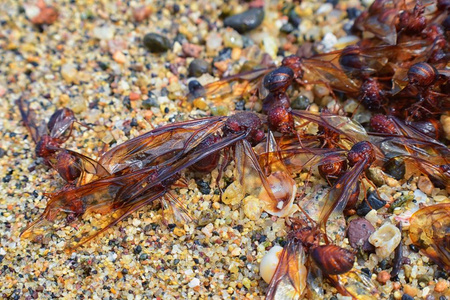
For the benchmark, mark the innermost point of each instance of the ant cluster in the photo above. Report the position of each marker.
(399, 74)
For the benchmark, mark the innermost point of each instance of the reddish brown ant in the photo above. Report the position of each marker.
(69, 164)
(304, 262)
(131, 188)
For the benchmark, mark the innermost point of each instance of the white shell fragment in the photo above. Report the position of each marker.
(269, 263)
(385, 239)
(284, 190)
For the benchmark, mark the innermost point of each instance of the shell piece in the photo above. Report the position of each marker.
(284, 189)
(385, 240)
(269, 263)
(332, 259)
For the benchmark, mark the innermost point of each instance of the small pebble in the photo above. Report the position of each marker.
(358, 232)
(198, 67)
(70, 73)
(119, 57)
(194, 282)
(385, 240)
(245, 21)
(441, 286)
(425, 185)
(252, 207)
(103, 32)
(156, 43)
(324, 9)
(383, 277)
(375, 202)
(141, 13)
(191, 50)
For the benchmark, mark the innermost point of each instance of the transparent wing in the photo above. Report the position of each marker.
(289, 279)
(162, 145)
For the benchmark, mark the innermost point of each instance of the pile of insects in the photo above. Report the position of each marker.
(398, 73)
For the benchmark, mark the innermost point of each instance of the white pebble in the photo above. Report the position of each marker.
(207, 230)
(31, 11)
(69, 72)
(329, 40)
(324, 9)
(213, 41)
(194, 282)
(420, 196)
(385, 239)
(103, 32)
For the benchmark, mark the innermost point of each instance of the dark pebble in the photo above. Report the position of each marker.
(143, 256)
(440, 274)
(180, 38)
(384, 264)
(413, 248)
(287, 28)
(348, 28)
(203, 187)
(176, 261)
(245, 21)
(156, 43)
(239, 105)
(238, 228)
(333, 2)
(223, 54)
(407, 297)
(375, 202)
(7, 178)
(198, 67)
(395, 168)
(353, 13)
(176, 8)
(126, 102)
(125, 271)
(301, 102)
(294, 18)
(151, 101)
(263, 238)
(137, 249)
(358, 232)
(248, 42)
(134, 122)
(196, 90)
(366, 271)
(171, 226)
(1, 258)
(2, 152)
(243, 258)
(443, 298)
(164, 92)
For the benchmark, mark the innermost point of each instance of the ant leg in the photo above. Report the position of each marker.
(354, 111)
(222, 165)
(365, 196)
